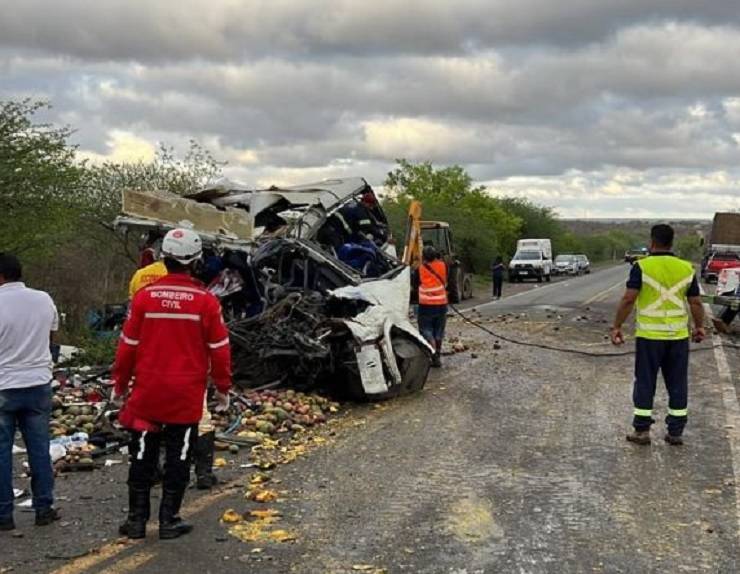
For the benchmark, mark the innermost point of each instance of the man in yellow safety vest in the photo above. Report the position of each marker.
(660, 286)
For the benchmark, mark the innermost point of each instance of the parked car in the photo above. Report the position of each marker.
(566, 264)
(632, 255)
(584, 265)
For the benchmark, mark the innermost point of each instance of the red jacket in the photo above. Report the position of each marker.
(173, 337)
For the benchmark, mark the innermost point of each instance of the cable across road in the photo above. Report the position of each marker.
(566, 349)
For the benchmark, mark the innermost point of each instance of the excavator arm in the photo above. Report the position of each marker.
(413, 244)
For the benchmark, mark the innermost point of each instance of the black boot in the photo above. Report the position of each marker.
(203, 455)
(437, 358)
(170, 524)
(139, 510)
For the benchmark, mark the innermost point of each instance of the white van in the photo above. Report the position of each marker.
(533, 260)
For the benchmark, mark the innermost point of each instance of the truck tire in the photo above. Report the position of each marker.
(414, 362)
(548, 277)
(539, 278)
(467, 287)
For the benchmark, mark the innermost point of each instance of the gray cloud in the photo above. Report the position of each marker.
(226, 30)
(524, 94)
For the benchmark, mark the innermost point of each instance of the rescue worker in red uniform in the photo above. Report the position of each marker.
(172, 340)
(432, 311)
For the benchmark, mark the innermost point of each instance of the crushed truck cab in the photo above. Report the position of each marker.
(308, 291)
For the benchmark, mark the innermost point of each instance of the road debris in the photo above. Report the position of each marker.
(257, 526)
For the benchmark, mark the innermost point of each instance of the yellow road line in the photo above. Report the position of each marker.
(96, 557)
(603, 293)
(112, 549)
(130, 564)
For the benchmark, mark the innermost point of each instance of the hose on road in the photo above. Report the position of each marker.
(571, 351)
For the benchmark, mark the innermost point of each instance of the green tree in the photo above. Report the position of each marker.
(481, 228)
(538, 222)
(40, 181)
(167, 172)
(424, 182)
(57, 211)
(690, 247)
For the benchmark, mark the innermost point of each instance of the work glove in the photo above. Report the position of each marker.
(222, 402)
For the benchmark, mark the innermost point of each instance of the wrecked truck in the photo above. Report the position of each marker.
(309, 293)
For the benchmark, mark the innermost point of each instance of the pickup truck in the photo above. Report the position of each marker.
(717, 262)
(532, 260)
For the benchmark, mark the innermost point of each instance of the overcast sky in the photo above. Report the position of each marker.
(598, 108)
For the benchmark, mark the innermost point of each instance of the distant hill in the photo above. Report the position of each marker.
(637, 227)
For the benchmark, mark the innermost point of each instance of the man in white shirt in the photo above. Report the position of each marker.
(27, 319)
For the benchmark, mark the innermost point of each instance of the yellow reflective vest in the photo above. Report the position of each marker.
(662, 312)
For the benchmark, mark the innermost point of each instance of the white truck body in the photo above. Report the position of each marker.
(533, 260)
(542, 245)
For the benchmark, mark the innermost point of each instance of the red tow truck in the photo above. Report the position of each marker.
(719, 261)
(724, 246)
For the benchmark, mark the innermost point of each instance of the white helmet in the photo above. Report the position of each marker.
(182, 245)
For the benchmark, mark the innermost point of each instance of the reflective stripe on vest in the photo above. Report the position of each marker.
(661, 304)
(431, 291)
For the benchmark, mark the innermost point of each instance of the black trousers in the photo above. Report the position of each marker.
(498, 283)
(672, 359)
(179, 441)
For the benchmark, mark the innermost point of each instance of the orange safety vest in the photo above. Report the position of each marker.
(432, 291)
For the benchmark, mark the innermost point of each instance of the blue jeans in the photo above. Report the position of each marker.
(432, 321)
(28, 410)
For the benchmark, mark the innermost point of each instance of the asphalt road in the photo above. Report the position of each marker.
(567, 292)
(510, 460)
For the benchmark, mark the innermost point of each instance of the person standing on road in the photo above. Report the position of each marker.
(174, 337)
(27, 320)
(204, 450)
(659, 286)
(432, 311)
(498, 270)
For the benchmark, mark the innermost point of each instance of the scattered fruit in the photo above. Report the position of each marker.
(262, 495)
(231, 516)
